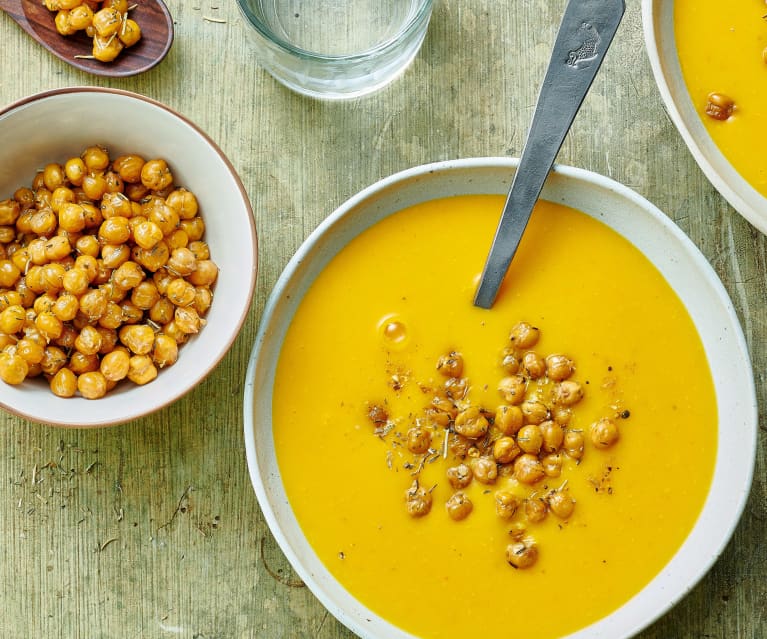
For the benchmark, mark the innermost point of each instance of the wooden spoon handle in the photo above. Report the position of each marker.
(15, 9)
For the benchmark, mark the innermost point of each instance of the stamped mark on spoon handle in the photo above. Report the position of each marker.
(586, 31)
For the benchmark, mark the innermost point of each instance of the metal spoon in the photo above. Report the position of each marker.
(586, 31)
(151, 15)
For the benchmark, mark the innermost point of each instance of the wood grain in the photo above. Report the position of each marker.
(189, 555)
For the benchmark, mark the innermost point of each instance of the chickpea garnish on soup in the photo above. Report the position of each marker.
(527, 449)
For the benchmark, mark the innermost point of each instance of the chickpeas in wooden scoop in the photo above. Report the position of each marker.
(107, 23)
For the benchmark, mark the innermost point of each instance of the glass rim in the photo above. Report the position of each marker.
(406, 29)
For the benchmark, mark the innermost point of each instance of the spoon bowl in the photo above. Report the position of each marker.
(156, 37)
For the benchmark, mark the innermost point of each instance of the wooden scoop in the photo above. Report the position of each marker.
(152, 17)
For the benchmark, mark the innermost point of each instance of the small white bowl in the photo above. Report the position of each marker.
(663, 243)
(55, 125)
(658, 22)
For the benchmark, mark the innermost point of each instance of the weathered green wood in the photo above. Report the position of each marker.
(151, 529)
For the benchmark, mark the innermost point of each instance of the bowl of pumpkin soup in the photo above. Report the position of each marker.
(568, 463)
(710, 64)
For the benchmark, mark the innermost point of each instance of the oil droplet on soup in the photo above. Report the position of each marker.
(594, 298)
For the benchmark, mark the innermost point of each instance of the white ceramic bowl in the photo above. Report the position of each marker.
(626, 212)
(658, 22)
(55, 125)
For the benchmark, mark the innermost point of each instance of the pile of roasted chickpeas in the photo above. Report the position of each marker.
(527, 437)
(107, 23)
(104, 273)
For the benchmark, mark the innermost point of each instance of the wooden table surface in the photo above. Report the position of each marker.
(151, 529)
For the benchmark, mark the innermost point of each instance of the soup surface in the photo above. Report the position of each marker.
(721, 49)
(637, 355)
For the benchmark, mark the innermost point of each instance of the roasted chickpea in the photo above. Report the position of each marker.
(130, 32)
(553, 436)
(573, 444)
(12, 319)
(165, 352)
(128, 275)
(64, 383)
(106, 48)
(454, 387)
(451, 365)
(92, 385)
(107, 23)
(96, 157)
(147, 234)
(528, 468)
(536, 509)
(145, 295)
(552, 464)
(187, 320)
(30, 349)
(54, 359)
(139, 338)
(67, 282)
(510, 361)
(417, 500)
(530, 439)
(505, 450)
(459, 506)
(506, 504)
(524, 335)
(128, 167)
(13, 367)
(185, 204)
(80, 17)
(534, 365)
(561, 503)
(512, 389)
(141, 370)
(156, 175)
(521, 554)
(534, 412)
(485, 470)
(49, 325)
(88, 342)
(558, 367)
(509, 419)
(604, 433)
(418, 439)
(94, 185)
(459, 476)
(470, 422)
(80, 363)
(115, 365)
(458, 445)
(567, 393)
(719, 106)
(180, 292)
(203, 299)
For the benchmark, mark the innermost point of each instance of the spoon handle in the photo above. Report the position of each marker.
(586, 31)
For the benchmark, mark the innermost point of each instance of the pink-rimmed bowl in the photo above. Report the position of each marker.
(55, 125)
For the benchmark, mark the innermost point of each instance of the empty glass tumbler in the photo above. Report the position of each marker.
(336, 49)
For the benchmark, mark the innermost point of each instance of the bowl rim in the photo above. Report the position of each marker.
(406, 31)
(315, 575)
(210, 365)
(743, 197)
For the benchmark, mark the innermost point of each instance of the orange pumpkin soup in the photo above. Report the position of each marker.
(721, 50)
(370, 332)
